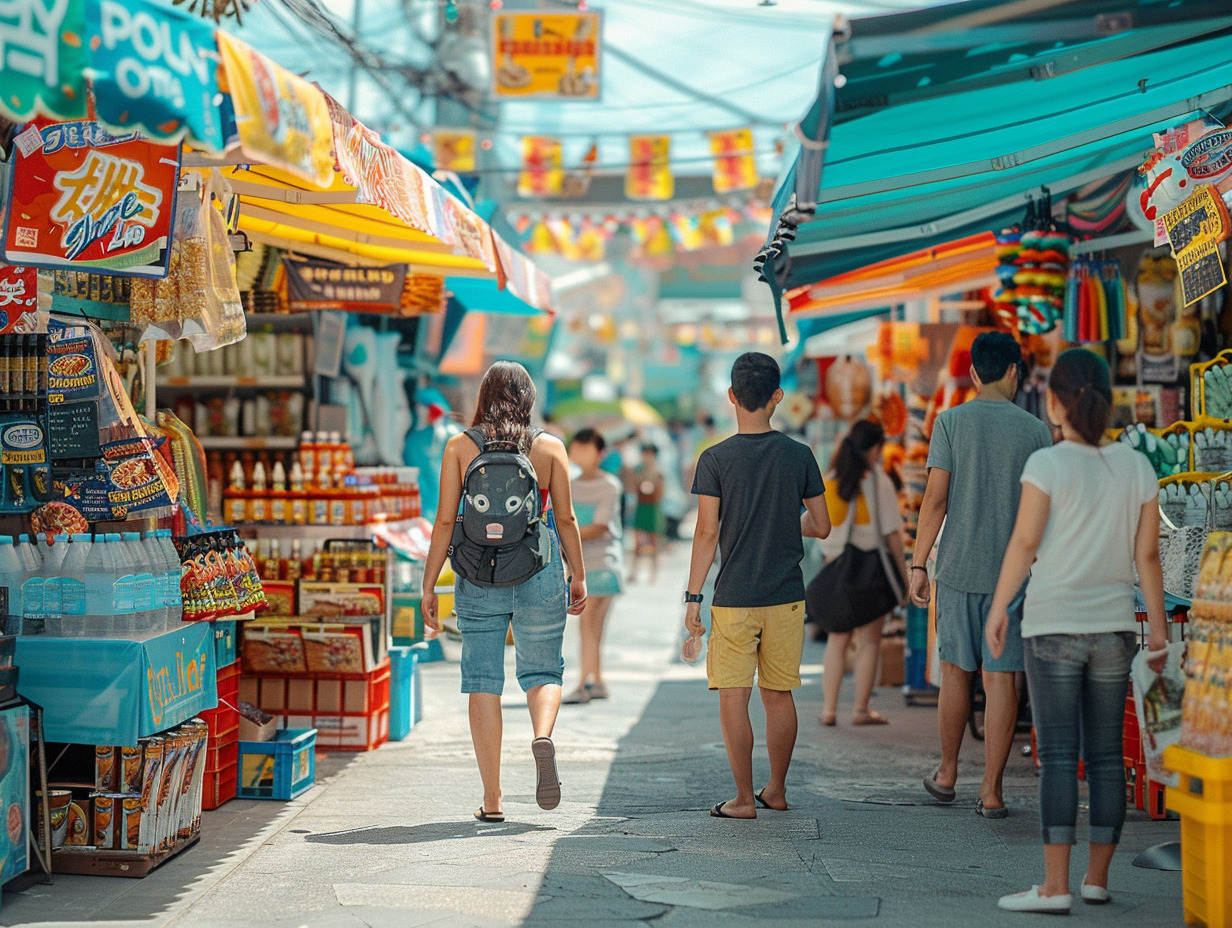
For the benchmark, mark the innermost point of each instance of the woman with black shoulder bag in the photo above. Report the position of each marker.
(864, 577)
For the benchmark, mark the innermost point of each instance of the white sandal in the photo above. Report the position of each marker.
(1032, 901)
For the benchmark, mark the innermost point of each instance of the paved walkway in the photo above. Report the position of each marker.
(387, 839)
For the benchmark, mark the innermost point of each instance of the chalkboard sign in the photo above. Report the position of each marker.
(74, 431)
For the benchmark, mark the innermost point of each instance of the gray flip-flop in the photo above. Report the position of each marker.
(936, 790)
(981, 809)
(547, 785)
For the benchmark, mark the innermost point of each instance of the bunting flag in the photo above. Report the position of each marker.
(577, 183)
(735, 166)
(650, 174)
(542, 174)
(454, 150)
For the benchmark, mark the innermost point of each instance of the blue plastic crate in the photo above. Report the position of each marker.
(402, 681)
(226, 644)
(278, 769)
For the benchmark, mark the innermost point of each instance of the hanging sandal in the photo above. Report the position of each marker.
(491, 818)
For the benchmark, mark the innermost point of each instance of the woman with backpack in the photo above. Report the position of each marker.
(501, 475)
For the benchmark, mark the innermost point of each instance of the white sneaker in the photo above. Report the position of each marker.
(1095, 895)
(1032, 901)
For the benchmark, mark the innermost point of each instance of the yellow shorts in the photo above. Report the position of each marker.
(765, 639)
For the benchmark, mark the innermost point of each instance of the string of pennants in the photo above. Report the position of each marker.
(648, 176)
(586, 237)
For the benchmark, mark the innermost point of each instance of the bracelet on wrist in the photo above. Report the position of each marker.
(915, 567)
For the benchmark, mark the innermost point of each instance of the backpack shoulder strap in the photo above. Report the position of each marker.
(476, 435)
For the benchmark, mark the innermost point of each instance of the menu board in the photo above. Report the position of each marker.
(74, 431)
(1195, 229)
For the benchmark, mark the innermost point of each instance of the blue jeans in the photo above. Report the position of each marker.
(1078, 685)
(536, 609)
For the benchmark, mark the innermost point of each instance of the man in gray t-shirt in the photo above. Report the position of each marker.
(975, 462)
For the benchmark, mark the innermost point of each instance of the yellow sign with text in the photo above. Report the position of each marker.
(548, 56)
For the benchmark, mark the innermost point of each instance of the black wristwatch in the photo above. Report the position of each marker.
(692, 598)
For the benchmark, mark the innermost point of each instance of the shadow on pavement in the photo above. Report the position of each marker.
(431, 831)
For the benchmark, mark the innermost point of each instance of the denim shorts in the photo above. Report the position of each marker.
(536, 609)
(961, 619)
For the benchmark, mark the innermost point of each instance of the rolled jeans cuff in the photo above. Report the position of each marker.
(1060, 834)
(1105, 835)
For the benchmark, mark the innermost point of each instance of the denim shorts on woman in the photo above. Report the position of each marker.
(536, 608)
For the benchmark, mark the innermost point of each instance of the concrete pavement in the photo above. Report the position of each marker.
(387, 839)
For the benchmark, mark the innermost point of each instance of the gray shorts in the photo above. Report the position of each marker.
(960, 631)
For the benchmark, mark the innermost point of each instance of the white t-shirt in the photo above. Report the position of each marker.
(1083, 578)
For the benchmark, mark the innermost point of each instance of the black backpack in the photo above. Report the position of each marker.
(502, 536)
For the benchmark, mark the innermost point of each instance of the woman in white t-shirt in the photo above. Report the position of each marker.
(1089, 512)
(857, 474)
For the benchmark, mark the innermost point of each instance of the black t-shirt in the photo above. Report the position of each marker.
(760, 479)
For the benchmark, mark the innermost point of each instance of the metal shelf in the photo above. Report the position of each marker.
(233, 382)
(248, 443)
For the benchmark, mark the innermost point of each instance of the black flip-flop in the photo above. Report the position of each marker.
(491, 818)
(547, 784)
(936, 790)
(717, 812)
(765, 805)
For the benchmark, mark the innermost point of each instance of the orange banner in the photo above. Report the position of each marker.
(542, 174)
(546, 55)
(735, 165)
(650, 174)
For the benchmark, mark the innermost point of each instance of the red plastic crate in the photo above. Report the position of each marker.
(1141, 791)
(219, 786)
(223, 756)
(226, 716)
(321, 694)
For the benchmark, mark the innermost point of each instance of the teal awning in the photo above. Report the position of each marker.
(946, 120)
(485, 296)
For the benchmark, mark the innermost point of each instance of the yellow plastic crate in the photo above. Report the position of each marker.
(1203, 799)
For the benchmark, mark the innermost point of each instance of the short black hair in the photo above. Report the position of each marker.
(994, 353)
(589, 436)
(650, 448)
(754, 378)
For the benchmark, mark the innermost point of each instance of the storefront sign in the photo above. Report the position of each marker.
(1195, 229)
(155, 70)
(542, 174)
(735, 166)
(283, 120)
(42, 59)
(454, 150)
(547, 56)
(18, 299)
(1198, 152)
(85, 199)
(317, 284)
(650, 175)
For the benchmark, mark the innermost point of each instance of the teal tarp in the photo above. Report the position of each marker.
(485, 296)
(926, 147)
(112, 691)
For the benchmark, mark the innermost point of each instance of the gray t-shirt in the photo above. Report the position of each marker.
(984, 444)
(760, 478)
(597, 502)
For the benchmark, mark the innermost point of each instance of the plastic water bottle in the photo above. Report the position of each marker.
(53, 583)
(31, 584)
(102, 575)
(153, 556)
(123, 592)
(168, 561)
(10, 585)
(72, 622)
(146, 615)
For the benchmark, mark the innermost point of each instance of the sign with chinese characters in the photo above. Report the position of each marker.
(316, 284)
(154, 70)
(454, 150)
(735, 165)
(282, 119)
(542, 174)
(1195, 229)
(85, 199)
(42, 59)
(18, 299)
(546, 56)
(650, 175)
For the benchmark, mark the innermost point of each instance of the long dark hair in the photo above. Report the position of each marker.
(1082, 384)
(506, 398)
(851, 458)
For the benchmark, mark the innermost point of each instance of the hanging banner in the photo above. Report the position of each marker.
(515, 272)
(735, 166)
(542, 174)
(283, 120)
(84, 199)
(154, 70)
(546, 56)
(1198, 152)
(18, 299)
(650, 175)
(316, 284)
(1195, 229)
(43, 59)
(454, 150)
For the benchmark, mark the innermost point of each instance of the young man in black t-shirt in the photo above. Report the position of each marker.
(749, 490)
